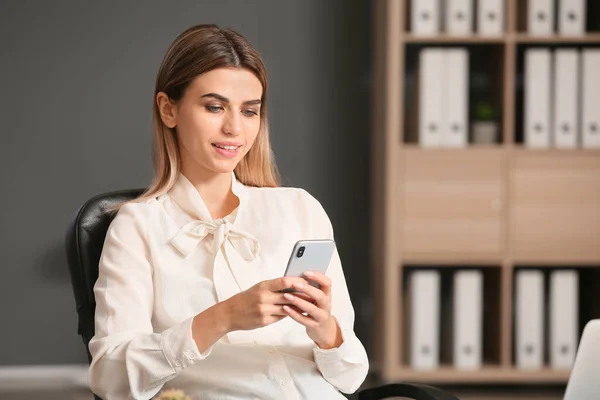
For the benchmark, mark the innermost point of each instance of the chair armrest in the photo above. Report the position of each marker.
(410, 390)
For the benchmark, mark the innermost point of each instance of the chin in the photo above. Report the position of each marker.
(224, 167)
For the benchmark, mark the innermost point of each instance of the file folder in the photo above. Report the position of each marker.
(459, 17)
(425, 315)
(455, 113)
(431, 64)
(564, 321)
(565, 127)
(537, 98)
(591, 98)
(490, 17)
(425, 17)
(540, 17)
(529, 324)
(571, 17)
(468, 319)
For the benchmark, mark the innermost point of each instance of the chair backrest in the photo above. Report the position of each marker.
(84, 240)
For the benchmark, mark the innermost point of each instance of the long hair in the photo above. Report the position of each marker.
(195, 51)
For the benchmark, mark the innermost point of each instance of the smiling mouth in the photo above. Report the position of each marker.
(229, 148)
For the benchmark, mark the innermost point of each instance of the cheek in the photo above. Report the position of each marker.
(196, 129)
(252, 127)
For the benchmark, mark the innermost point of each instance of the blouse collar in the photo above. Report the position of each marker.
(189, 199)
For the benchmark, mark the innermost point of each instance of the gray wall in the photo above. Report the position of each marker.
(77, 79)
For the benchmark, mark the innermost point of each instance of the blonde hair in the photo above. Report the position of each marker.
(195, 51)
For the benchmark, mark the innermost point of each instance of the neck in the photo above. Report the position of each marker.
(215, 190)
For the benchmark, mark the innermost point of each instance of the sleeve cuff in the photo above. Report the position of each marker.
(348, 351)
(179, 347)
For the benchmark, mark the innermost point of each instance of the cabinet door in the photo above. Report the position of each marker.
(452, 203)
(555, 208)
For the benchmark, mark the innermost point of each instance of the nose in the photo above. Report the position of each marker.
(233, 124)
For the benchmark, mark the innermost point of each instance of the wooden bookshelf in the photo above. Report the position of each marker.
(590, 38)
(408, 38)
(502, 181)
(488, 375)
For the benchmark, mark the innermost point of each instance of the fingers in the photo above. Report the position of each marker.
(323, 280)
(299, 317)
(274, 310)
(321, 299)
(286, 282)
(305, 307)
(272, 303)
(304, 296)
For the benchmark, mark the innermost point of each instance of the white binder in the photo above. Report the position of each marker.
(425, 315)
(425, 17)
(564, 321)
(591, 98)
(490, 17)
(529, 322)
(459, 17)
(565, 126)
(537, 98)
(540, 17)
(455, 92)
(431, 65)
(571, 17)
(468, 319)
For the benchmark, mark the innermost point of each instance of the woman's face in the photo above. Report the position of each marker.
(217, 119)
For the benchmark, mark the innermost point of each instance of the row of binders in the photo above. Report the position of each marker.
(562, 98)
(443, 97)
(467, 299)
(429, 17)
(571, 18)
(456, 17)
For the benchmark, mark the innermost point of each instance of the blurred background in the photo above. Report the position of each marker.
(361, 94)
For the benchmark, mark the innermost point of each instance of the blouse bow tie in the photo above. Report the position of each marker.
(192, 233)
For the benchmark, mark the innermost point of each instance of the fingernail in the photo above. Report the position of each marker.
(299, 285)
(286, 308)
(309, 273)
(288, 296)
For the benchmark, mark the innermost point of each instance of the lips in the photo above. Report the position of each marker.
(227, 145)
(227, 149)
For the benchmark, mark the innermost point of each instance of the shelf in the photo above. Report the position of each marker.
(556, 263)
(491, 375)
(416, 147)
(519, 149)
(588, 38)
(519, 38)
(450, 260)
(447, 39)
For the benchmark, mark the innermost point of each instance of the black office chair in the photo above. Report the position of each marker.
(84, 240)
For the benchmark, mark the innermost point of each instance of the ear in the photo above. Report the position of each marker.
(167, 110)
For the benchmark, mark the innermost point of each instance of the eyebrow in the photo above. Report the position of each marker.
(226, 100)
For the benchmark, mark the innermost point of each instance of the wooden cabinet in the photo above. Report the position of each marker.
(452, 203)
(497, 207)
(555, 209)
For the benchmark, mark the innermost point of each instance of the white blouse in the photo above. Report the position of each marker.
(166, 260)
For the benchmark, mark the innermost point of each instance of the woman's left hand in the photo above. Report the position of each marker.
(320, 325)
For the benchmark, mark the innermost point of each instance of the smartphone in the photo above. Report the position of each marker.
(309, 255)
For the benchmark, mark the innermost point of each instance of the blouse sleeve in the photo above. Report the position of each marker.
(129, 359)
(346, 366)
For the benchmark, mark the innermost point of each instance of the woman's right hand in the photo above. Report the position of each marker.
(259, 306)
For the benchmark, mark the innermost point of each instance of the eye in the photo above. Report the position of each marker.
(213, 109)
(249, 113)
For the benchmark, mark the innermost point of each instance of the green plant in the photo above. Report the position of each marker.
(485, 112)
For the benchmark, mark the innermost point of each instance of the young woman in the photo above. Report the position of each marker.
(190, 279)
